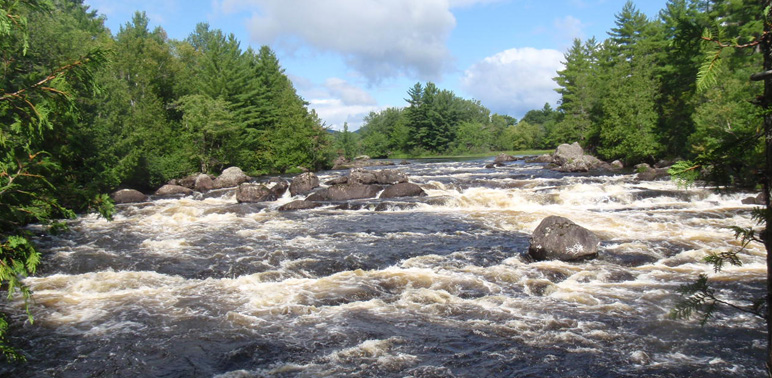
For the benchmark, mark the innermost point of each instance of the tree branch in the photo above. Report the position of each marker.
(761, 75)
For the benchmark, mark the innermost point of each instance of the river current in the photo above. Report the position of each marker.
(438, 286)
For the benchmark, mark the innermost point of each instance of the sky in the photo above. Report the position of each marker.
(348, 58)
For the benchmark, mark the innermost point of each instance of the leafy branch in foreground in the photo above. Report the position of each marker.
(700, 299)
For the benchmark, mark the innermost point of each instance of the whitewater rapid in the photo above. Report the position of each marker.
(432, 287)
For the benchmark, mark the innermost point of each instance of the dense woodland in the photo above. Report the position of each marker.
(85, 110)
(632, 97)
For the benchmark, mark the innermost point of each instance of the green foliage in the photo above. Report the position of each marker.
(684, 172)
(699, 298)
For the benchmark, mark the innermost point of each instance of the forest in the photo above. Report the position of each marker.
(632, 96)
(85, 110)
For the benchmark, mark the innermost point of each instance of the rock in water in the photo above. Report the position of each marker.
(299, 205)
(362, 176)
(203, 183)
(571, 158)
(503, 158)
(254, 193)
(173, 190)
(279, 187)
(403, 189)
(558, 238)
(230, 177)
(303, 183)
(390, 177)
(128, 196)
(345, 192)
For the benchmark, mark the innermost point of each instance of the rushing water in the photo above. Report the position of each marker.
(430, 287)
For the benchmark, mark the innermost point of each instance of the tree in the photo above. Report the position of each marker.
(580, 95)
(347, 142)
(37, 103)
(699, 296)
(210, 129)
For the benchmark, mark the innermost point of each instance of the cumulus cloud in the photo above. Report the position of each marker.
(348, 94)
(335, 112)
(379, 39)
(515, 81)
(337, 101)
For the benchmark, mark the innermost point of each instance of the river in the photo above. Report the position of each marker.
(431, 287)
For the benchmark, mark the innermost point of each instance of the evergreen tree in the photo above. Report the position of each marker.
(38, 105)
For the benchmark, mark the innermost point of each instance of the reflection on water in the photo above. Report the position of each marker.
(435, 287)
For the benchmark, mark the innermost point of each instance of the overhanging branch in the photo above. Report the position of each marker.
(759, 76)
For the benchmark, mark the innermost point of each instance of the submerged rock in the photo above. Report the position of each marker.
(503, 158)
(128, 196)
(558, 238)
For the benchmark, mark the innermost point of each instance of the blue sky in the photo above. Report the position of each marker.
(350, 57)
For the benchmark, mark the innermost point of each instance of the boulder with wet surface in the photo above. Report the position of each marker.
(558, 238)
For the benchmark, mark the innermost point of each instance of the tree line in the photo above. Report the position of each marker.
(632, 97)
(437, 121)
(635, 96)
(83, 112)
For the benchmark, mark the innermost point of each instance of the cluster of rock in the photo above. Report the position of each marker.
(200, 182)
(359, 184)
(571, 158)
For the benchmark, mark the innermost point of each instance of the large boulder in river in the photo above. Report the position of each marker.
(173, 190)
(403, 189)
(558, 238)
(230, 177)
(571, 158)
(203, 183)
(254, 193)
(128, 196)
(278, 185)
(390, 177)
(362, 176)
(647, 173)
(345, 192)
(303, 183)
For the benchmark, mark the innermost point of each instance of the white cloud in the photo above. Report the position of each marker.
(379, 39)
(337, 101)
(515, 81)
(349, 94)
(334, 113)
(467, 3)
